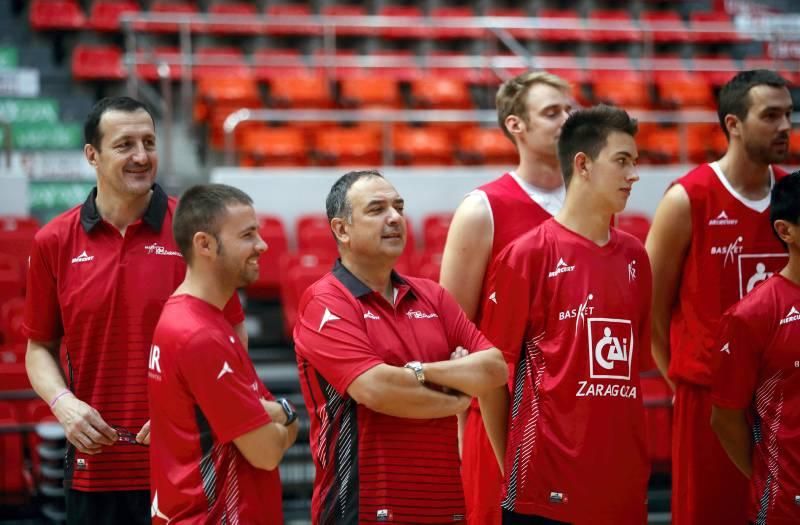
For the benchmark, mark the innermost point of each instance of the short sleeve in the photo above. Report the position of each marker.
(329, 338)
(506, 306)
(736, 371)
(221, 381)
(233, 311)
(460, 330)
(42, 321)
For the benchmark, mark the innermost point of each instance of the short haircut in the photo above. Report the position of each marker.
(587, 131)
(785, 201)
(91, 128)
(337, 203)
(734, 97)
(512, 95)
(200, 209)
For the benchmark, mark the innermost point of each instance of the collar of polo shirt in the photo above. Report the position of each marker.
(153, 215)
(354, 284)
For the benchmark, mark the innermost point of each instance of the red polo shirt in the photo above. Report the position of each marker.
(102, 294)
(374, 468)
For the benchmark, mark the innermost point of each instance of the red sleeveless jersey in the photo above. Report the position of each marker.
(732, 250)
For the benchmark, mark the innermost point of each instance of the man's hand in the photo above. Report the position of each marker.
(463, 400)
(275, 411)
(459, 352)
(143, 437)
(83, 425)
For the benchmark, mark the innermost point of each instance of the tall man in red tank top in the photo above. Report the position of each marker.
(531, 108)
(709, 245)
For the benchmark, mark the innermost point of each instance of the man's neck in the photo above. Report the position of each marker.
(207, 286)
(121, 212)
(750, 179)
(582, 217)
(376, 275)
(792, 270)
(540, 171)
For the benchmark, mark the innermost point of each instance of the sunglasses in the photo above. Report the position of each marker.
(126, 436)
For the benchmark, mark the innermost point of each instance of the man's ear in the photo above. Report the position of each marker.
(339, 227)
(204, 245)
(91, 154)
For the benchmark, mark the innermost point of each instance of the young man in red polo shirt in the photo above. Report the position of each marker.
(531, 108)
(218, 433)
(710, 244)
(373, 351)
(568, 304)
(756, 389)
(98, 277)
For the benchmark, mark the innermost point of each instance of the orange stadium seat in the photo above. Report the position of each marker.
(567, 66)
(347, 10)
(97, 63)
(271, 229)
(660, 146)
(422, 146)
(287, 62)
(717, 70)
(48, 15)
(486, 146)
(468, 74)
(278, 11)
(331, 65)
(621, 88)
(434, 231)
(357, 146)
(404, 68)
(151, 59)
(665, 26)
(794, 147)
(370, 92)
(684, 90)
(314, 235)
(619, 25)
(301, 91)
(264, 147)
(575, 33)
(242, 9)
(105, 14)
(174, 7)
(441, 14)
(435, 92)
(221, 61)
(414, 28)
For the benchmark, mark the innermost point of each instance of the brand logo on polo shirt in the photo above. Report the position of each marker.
(383, 515)
(370, 315)
(561, 267)
(416, 314)
(791, 317)
(326, 318)
(154, 510)
(157, 249)
(83, 257)
(722, 220)
(726, 348)
(226, 369)
(493, 297)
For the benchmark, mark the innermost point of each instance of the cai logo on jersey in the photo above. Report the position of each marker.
(755, 268)
(610, 348)
(722, 220)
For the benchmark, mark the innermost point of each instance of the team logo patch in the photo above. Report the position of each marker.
(157, 249)
(416, 314)
(722, 220)
(791, 317)
(383, 515)
(755, 268)
(561, 267)
(610, 348)
(83, 257)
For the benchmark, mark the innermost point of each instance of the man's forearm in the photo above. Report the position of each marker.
(44, 371)
(474, 374)
(659, 348)
(494, 411)
(735, 436)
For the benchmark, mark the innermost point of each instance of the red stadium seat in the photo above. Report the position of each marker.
(422, 146)
(271, 229)
(12, 479)
(264, 147)
(299, 272)
(48, 15)
(241, 9)
(665, 26)
(219, 62)
(338, 65)
(269, 64)
(519, 33)
(97, 63)
(634, 223)
(357, 146)
(16, 246)
(442, 14)
(18, 223)
(105, 14)
(302, 91)
(434, 231)
(12, 312)
(351, 11)
(413, 25)
(712, 28)
(173, 7)
(428, 265)
(404, 66)
(561, 34)
(375, 91)
(619, 25)
(442, 66)
(717, 70)
(280, 11)
(486, 146)
(657, 398)
(314, 235)
(150, 60)
(440, 93)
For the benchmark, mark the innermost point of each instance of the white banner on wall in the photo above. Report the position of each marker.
(19, 82)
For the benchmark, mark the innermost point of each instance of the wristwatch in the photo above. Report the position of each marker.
(416, 366)
(288, 409)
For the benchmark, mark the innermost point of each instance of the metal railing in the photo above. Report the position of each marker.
(7, 141)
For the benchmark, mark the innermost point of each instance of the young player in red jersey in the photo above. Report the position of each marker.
(711, 243)
(756, 389)
(374, 355)
(218, 433)
(568, 304)
(531, 108)
(98, 277)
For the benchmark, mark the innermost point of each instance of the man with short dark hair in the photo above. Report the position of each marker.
(531, 108)
(219, 434)
(573, 435)
(756, 387)
(709, 244)
(98, 277)
(385, 363)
